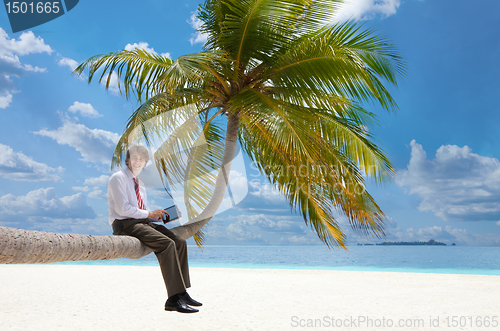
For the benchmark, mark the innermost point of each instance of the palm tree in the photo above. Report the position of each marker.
(289, 87)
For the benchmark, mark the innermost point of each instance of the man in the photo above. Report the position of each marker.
(128, 215)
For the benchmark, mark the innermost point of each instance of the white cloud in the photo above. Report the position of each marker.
(29, 67)
(267, 192)
(257, 228)
(81, 188)
(197, 37)
(239, 188)
(26, 44)
(5, 100)
(366, 9)
(94, 145)
(97, 194)
(72, 64)
(142, 45)
(114, 83)
(274, 224)
(45, 203)
(97, 181)
(17, 166)
(238, 184)
(145, 46)
(457, 185)
(10, 65)
(114, 80)
(296, 240)
(85, 109)
(239, 233)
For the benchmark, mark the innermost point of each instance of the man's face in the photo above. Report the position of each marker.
(136, 162)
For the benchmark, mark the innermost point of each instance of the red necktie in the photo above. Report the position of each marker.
(139, 199)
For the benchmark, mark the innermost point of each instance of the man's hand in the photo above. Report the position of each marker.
(158, 214)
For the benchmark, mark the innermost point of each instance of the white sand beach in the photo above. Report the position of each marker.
(83, 297)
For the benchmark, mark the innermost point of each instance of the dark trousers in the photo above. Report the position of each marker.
(170, 251)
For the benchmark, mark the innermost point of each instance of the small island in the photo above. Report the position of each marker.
(431, 242)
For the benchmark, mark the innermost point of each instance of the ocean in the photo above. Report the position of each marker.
(480, 260)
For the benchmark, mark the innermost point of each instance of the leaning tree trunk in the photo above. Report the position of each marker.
(189, 229)
(25, 246)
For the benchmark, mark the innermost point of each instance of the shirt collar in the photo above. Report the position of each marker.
(129, 173)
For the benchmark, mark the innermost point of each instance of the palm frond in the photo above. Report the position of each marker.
(194, 70)
(157, 117)
(313, 157)
(250, 30)
(139, 69)
(148, 74)
(203, 159)
(190, 167)
(338, 61)
(317, 14)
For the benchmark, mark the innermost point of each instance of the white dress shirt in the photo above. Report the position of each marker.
(122, 199)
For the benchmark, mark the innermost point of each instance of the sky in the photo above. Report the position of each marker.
(57, 132)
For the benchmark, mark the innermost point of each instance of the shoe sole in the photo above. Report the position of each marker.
(181, 311)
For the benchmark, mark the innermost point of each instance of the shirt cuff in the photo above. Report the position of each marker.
(144, 213)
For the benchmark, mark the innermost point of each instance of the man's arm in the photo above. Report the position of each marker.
(155, 215)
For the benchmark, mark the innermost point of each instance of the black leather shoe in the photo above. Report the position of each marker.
(190, 301)
(179, 306)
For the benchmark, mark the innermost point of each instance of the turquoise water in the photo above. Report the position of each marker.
(482, 260)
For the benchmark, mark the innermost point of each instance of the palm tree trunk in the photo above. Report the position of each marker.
(27, 246)
(189, 229)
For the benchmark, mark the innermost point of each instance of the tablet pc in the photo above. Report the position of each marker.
(173, 214)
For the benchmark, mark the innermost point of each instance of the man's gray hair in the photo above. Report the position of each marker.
(141, 150)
